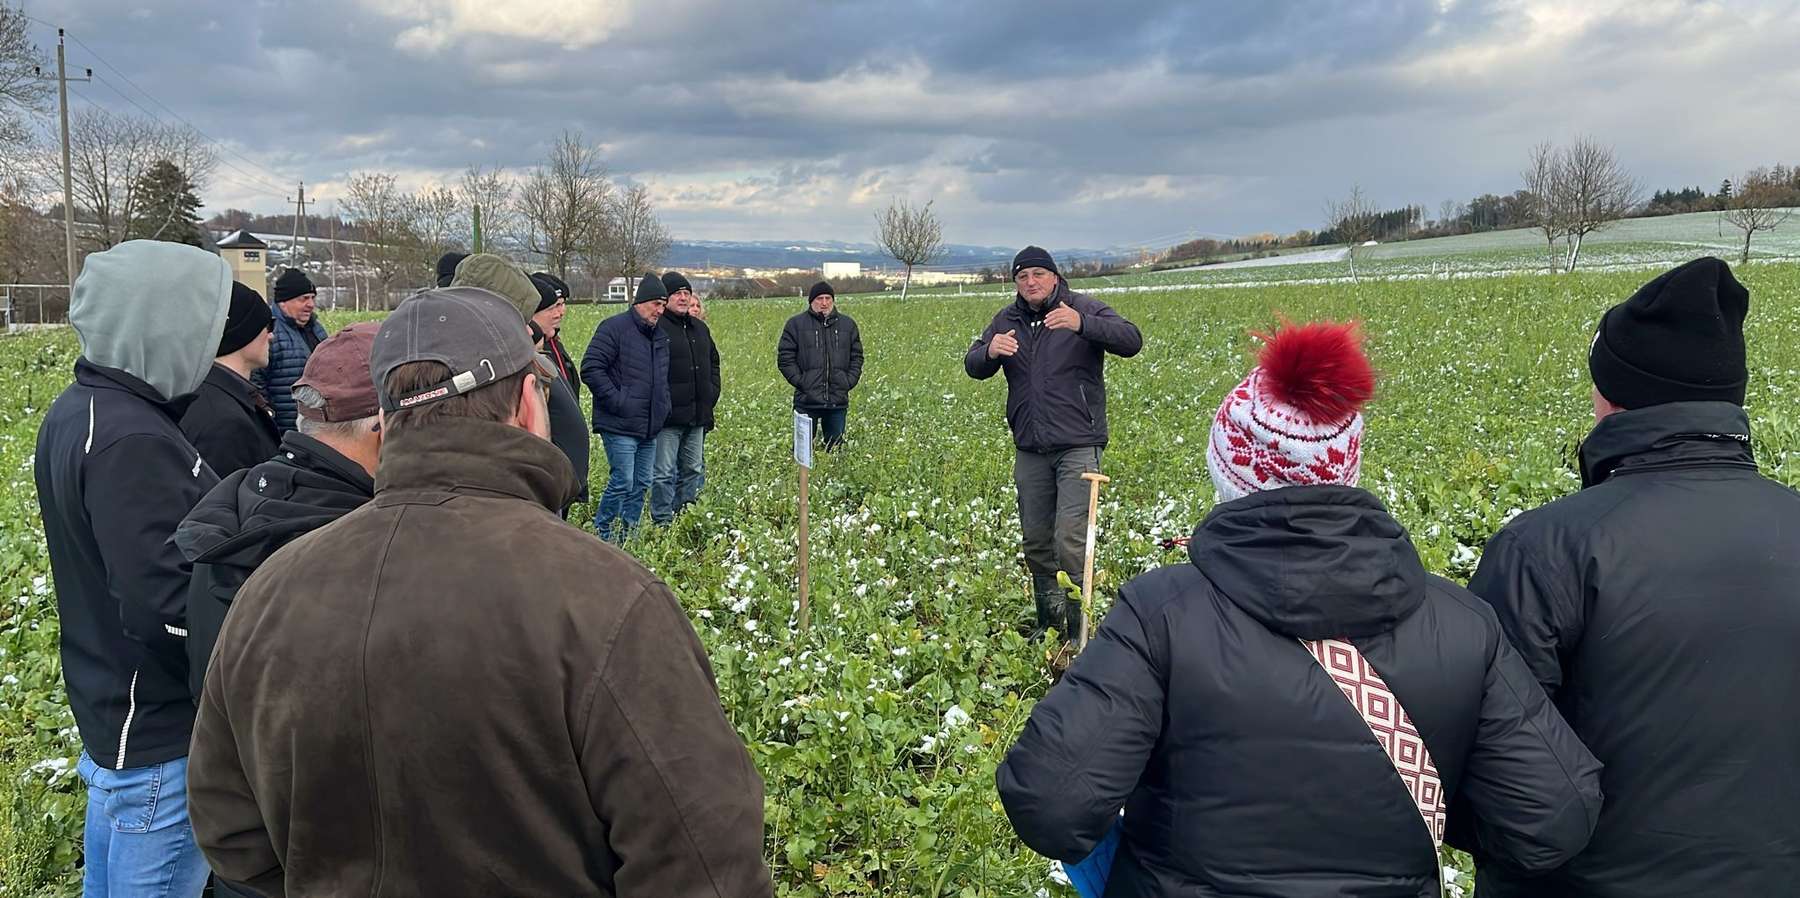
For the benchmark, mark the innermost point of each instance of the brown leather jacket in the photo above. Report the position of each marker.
(450, 691)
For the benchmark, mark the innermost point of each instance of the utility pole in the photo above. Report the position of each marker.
(299, 213)
(62, 80)
(334, 219)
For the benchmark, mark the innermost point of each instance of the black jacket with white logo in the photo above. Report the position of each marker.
(115, 476)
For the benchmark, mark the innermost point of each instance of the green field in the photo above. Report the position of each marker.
(876, 784)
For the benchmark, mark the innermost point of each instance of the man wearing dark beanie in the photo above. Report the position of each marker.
(230, 421)
(1052, 342)
(821, 356)
(553, 306)
(297, 331)
(1660, 606)
(627, 369)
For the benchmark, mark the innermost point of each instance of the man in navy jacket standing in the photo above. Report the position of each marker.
(626, 367)
(1052, 344)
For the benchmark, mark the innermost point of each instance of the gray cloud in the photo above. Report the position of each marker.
(1061, 122)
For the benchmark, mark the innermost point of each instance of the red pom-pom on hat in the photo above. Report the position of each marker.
(1318, 369)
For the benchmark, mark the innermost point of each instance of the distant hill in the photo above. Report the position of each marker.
(811, 253)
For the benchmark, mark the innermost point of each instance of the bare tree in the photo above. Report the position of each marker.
(23, 95)
(490, 191)
(1352, 219)
(1544, 182)
(564, 202)
(912, 235)
(633, 240)
(1595, 192)
(109, 153)
(1756, 206)
(435, 215)
(378, 211)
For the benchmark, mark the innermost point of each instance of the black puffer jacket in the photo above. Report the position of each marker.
(693, 371)
(247, 517)
(1055, 383)
(1242, 768)
(822, 359)
(1660, 607)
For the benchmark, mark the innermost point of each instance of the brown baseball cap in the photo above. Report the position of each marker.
(339, 370)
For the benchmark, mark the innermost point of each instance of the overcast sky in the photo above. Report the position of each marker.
(1063, 123)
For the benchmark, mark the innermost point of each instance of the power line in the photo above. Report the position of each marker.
(245, 179)
(178, 116)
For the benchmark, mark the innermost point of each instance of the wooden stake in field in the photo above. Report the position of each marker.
(1094, 479)
(803, 459)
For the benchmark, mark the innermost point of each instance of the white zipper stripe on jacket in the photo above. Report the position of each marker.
(89, 446)
(125, 733)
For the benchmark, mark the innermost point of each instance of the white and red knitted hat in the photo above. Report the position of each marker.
(1297, 419)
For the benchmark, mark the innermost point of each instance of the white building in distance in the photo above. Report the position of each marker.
(844, 270)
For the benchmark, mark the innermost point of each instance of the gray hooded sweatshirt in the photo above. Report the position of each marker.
(154, 310)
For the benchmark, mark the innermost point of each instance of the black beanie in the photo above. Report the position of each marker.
(673, 281)
(446, 267)
(548, 294)
(650, 289)
(248, 317)
(1680, 338)
(1034, 257)
(820, 289)
(292, 283)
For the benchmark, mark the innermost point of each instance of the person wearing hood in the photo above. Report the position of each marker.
(1659, 606)
(230, 421)
(553, 306)
(115, 475)
(1052, 343)
(680, 468)
(821, 356)
(568, 429)
(323, 470)
(297, 331)
(450, 691)
(626, 367)
(1300, 709)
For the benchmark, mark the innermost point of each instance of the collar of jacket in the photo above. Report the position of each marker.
(824, 320)
(644, 327)
(1311, 562)
(100, 377)
(1674, 434)
(234, 385)
(466, 456)
(304, 451)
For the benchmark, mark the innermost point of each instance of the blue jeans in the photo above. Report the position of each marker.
(138, 840)
(680, 471)
(828, 425)
(631, 460)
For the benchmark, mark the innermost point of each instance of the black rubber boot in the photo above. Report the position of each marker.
(1072, 620)
(1049, 598)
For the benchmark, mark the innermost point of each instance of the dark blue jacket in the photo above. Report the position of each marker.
(288, 353)
(627, 368)
(1056, 382)
(115, 476)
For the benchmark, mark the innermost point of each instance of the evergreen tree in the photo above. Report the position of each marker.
(168, 206)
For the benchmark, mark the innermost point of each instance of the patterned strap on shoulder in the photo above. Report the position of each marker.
(1381, 710)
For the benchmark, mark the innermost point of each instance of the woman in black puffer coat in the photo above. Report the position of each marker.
(1300, 709)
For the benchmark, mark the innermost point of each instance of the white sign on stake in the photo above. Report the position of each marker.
(803, 439)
